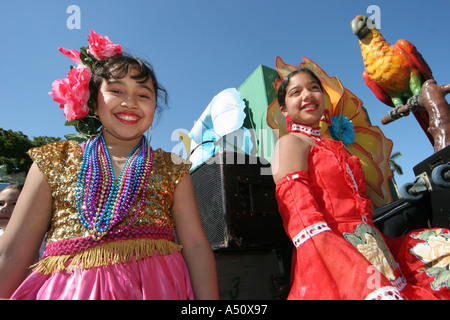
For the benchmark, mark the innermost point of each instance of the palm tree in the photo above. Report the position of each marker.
(395, 167)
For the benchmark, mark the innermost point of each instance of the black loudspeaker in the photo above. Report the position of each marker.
(435, 170)
(236, 198)
(401, 216)
(424, 203)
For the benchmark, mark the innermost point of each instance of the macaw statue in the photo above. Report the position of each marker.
(394, 73)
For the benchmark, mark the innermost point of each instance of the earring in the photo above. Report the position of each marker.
(326, 117)
(289, 122)
(288, 119)
(89, 126)
(149, 137)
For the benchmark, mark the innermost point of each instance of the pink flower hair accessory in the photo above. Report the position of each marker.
(73, 93)
(101, 47)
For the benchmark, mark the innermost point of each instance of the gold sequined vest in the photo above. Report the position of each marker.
(69, 244)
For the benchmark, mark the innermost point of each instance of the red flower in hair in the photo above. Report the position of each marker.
(72, 93)
(73, 55)
(101, 47)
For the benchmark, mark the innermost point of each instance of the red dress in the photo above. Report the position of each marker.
(338, 252)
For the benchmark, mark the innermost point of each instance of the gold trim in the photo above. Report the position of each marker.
(107, 254)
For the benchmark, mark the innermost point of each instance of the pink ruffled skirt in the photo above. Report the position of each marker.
(160, 277)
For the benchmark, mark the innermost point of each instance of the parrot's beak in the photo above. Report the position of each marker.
(359, 27)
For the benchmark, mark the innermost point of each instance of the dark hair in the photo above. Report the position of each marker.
(283, 85)
(117, 67)
(15, 186)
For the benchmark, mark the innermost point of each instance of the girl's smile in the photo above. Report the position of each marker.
(309, 107)
(127, 117)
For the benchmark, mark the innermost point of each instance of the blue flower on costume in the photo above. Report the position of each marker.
(346, 134)
(220, 127)
(206, 149)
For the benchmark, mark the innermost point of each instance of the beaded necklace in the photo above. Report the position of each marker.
(101, 201)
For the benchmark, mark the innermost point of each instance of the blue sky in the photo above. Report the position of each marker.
(199, 47)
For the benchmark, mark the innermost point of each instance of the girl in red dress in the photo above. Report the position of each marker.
(320, 190)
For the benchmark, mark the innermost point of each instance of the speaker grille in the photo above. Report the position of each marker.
(208, 184)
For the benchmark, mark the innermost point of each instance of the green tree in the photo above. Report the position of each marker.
(395, 167)
(13, 149)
